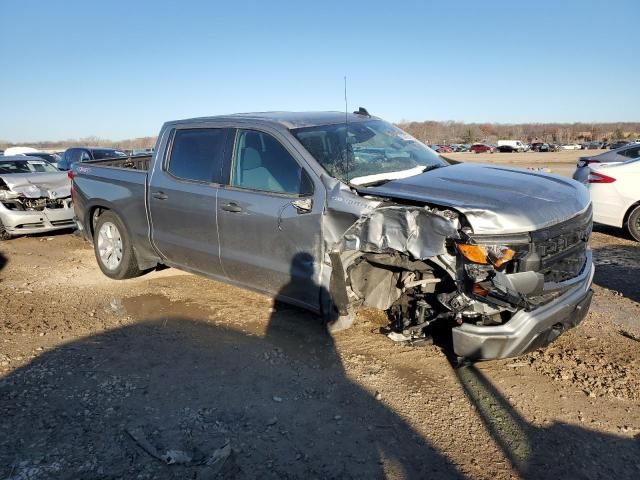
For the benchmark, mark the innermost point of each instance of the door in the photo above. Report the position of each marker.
(269, 221)
(182, 198)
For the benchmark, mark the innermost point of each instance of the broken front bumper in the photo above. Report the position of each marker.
(527, 331)
(22, 222)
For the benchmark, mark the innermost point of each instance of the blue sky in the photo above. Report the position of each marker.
(118, 69)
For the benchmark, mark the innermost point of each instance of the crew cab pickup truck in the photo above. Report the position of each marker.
(332, 212)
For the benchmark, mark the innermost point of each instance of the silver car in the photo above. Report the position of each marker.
(34, 197)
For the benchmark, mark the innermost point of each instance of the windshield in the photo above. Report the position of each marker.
(26, 166)
(367, 152)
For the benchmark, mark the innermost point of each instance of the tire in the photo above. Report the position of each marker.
(113, 248)
(4, 235)
(633, 223)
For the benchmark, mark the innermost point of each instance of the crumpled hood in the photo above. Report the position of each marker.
(39, 185)
(494, 199)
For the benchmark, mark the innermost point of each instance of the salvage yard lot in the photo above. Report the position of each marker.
(93, 372)
(561, 163)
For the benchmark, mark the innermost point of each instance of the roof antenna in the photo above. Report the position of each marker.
(346, 128)
(346, 108)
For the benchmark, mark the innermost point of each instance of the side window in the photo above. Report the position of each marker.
(84, 156)
(633, 152)
(99, 154)
(262, 163)
(198, 154)
(74, 155)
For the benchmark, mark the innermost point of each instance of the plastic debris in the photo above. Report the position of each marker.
(179, 457)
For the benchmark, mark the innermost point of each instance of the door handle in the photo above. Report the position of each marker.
(231, 207)
(160, 195)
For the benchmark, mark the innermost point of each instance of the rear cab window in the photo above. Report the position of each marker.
(198, 154)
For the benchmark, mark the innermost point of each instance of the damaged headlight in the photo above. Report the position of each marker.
(496, 255)
(7, 195)
(486, 252)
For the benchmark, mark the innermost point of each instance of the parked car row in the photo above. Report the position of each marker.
(505, 146)
(454, 147)
(513, 146)
(613, 145)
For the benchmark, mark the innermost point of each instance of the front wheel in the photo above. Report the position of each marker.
(113, 249)
(633, 223)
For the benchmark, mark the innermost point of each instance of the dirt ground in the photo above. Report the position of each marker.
(103, 379)
(560, 163)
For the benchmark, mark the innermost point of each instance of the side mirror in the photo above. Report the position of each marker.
(303, 205)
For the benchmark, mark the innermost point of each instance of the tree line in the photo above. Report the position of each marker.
(460, 132)
(128, 144)
(429, 132)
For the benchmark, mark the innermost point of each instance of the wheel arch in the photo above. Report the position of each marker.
(98, 208)
(628, 212)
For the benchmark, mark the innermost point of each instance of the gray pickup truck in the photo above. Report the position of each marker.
(331, 212)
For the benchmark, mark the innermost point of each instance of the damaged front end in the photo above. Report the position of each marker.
(436, 280)
(31, 203)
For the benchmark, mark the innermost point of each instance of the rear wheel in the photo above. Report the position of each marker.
(633, 223)
(113, 248)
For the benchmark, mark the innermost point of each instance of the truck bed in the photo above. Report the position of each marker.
(118, 184)
(135, 162)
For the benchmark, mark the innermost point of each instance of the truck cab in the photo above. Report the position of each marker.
(332, 213)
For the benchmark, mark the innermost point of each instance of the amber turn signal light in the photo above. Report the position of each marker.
(495, 254)
(473, 253)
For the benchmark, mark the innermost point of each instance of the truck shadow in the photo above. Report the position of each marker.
(92, 408)
(618, 268)
(3, 261)
(557, 451)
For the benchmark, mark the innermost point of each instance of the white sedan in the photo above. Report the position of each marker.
(570, 146)
(615, 193)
